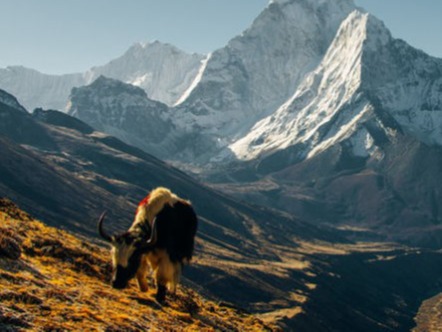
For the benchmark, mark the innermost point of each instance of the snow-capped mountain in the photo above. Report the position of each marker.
(258, 70)
(34, 89)
(366, 77)
(327, 106)
(124, 111)
(306, 75)
(162, 70)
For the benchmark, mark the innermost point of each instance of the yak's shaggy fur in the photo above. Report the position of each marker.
(150, 206)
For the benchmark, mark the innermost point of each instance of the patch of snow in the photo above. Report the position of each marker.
(195, 81)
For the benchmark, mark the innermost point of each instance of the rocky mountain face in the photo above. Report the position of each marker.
(9, 100)
(123, 111)
(163, 71)
(305, 76)
(290, 273)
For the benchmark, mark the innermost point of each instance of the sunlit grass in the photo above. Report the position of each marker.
(60, 282)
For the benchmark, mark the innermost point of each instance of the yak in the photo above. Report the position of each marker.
(160, 239)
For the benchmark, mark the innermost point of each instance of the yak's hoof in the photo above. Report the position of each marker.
(161, 294)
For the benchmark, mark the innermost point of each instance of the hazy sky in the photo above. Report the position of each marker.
(64, 36)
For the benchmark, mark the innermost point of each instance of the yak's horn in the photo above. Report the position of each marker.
(101, 231)
(153, 235)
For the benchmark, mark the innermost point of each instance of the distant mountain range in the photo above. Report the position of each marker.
(162, 70)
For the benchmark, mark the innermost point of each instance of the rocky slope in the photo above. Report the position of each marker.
(429, 317)
(70, 173)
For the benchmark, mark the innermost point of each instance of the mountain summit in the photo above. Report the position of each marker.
(260, 69)
(366, 79)
(162, 70)
(329, 103)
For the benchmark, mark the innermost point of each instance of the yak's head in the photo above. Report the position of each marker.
(127, 250)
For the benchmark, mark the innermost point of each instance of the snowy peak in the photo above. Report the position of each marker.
(326, 105)
(366, 87)
(9, 100)
(162, 70)
(35, 89)
(260, 69)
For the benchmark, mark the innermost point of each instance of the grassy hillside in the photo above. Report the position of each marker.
(51, 280)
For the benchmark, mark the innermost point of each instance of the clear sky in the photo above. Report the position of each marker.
(64, 36)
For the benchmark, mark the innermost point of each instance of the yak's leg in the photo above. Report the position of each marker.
(164, 275)
(142, 275)
(161, 293)
(176, 273)
(161, 282)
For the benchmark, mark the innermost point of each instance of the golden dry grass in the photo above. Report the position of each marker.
(60, 283)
